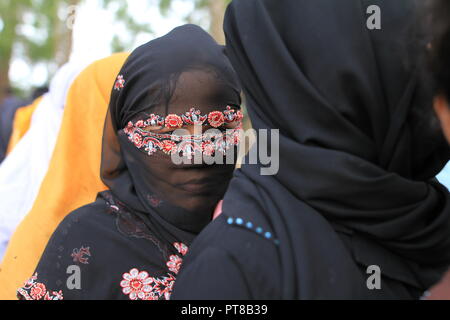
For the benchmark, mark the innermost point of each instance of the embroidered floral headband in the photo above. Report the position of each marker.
(187, 145)
(215, 119)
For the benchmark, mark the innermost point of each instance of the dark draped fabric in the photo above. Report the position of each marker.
(7, 112)
(130, 243)
(358, 157)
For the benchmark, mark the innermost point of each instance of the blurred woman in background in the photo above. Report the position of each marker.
(72, 179)
(8, 108)
(22, 172)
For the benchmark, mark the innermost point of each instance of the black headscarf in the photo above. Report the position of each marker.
(148, 184)
(353, 151)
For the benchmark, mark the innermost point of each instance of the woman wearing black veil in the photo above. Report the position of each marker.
(355, 211)
(130, 243)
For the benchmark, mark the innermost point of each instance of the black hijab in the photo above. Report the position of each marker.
(148, 184)
(354, 155)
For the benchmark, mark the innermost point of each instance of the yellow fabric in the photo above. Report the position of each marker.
(73, 178)
(21, 124)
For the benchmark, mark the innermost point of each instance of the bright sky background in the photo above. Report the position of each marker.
(94, 30)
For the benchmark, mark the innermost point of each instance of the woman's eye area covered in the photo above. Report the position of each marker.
(191, 129)
(193, 121)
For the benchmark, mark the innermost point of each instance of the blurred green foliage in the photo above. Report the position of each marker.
(37, 30)
(51, 38)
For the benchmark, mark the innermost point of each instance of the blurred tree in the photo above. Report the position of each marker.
(215, 10)
(39, 31)
(10, 15)
(34, 28)
(120, 44)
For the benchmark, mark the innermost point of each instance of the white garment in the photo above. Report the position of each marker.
(444, 176)
(23, 171)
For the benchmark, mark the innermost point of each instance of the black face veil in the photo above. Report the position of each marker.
(146, 84)
(353, 154)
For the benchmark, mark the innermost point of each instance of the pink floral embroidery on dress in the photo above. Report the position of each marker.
(181, 248)
(174, 264)
(81, 255)
(163, 287)
(138, 285)
(33, 290)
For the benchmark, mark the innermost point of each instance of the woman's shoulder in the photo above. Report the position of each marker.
(237, 237)
(244, 248)
(77, 262)
(86, 221)
(85, 214)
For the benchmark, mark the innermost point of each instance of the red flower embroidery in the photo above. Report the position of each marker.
(173, 121)
(38, 291)
(169, 147)
(194, 117)
(139, 286)
(140, 124)
(164, 287)
(174, 264)
(136, 284)
(208, 148)
(155, 121)
(181, 248)
(78, 255)
(151, 296)
(54, 297)
(137, 140)
(33, 290)
(230, 115)
(129, 128)
(236, 138)
(216, 119)
(120, 83)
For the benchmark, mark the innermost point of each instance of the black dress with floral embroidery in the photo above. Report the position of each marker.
(104, 252)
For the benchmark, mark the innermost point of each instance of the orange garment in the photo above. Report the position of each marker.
(73, 178)
(21, 124)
